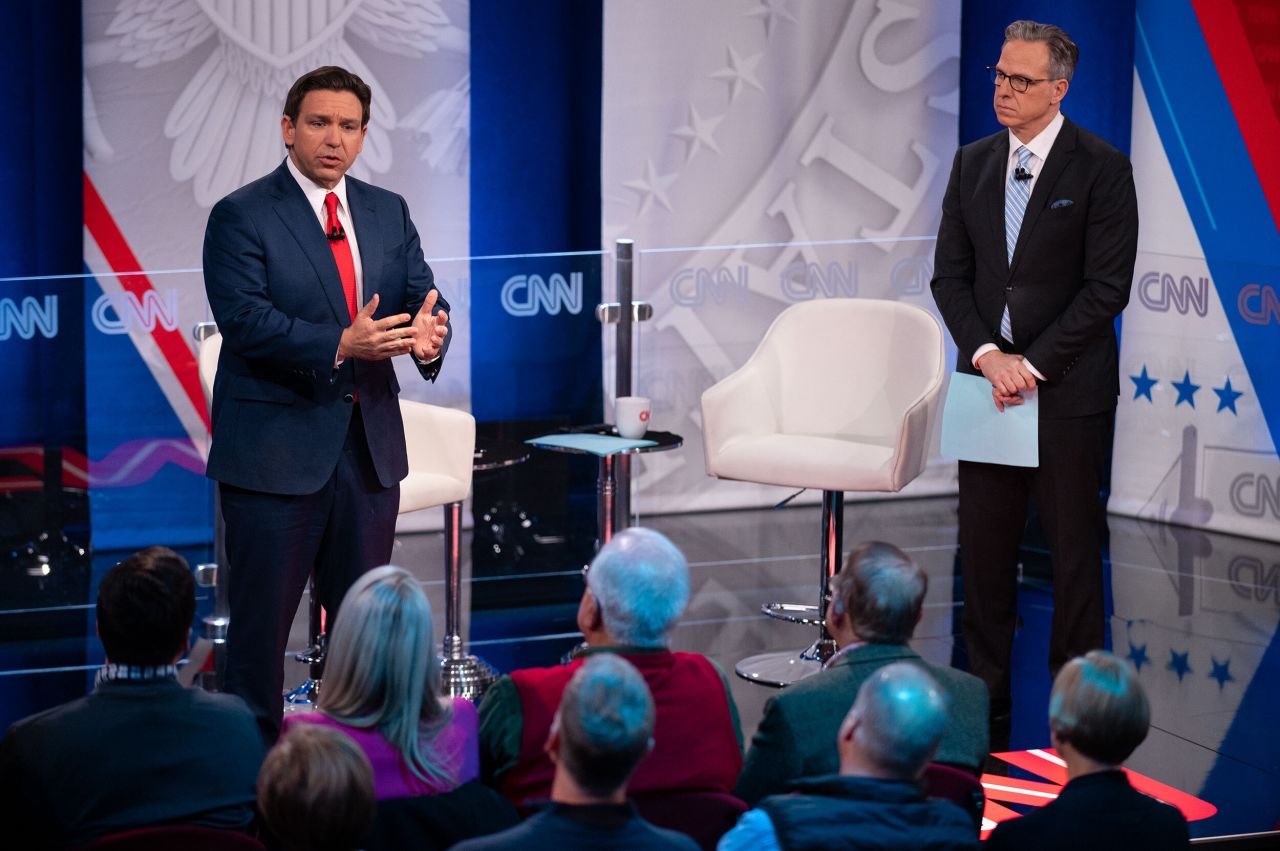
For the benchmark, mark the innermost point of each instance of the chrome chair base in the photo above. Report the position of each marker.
(793, 613)
(466, 676)
(303, 698)
(789, 666)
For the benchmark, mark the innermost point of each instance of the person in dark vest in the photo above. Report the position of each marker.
(603, 729)
(139, 750)
(876, 801)
(1098, 715)
(637, 588)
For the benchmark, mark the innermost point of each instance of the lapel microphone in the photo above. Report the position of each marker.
(1019, 173)
(337, 234)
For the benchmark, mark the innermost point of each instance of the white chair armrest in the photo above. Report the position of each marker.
(736, 406)
(439, 440)
(912, 453)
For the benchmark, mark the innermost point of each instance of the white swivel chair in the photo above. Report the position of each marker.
(840, 396)
(440, 443)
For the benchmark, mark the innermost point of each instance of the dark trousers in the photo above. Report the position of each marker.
(274, 542)
(993, 512)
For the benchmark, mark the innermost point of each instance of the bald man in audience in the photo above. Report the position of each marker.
(875, 801)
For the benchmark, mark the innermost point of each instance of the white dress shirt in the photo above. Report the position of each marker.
(315, 197)
(1039, 148)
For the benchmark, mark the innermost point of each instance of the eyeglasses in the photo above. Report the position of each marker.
(1017, 82)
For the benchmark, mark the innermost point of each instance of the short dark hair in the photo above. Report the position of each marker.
(881, 590)
(1063, 52)
(315, 790)
(606, 722)
(329, 78)
(145, 607)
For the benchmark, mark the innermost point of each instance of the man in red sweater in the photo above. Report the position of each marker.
(637, 588)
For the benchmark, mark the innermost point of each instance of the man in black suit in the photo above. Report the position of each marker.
(1034, 261)
(308, 444)
(140, 749)
(1098, 715)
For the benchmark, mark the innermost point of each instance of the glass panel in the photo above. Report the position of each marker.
(711, 307)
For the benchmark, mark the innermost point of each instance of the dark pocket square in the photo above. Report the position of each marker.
(1061, 202)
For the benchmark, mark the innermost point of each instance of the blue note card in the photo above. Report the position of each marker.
(594, 444)
(973, 430)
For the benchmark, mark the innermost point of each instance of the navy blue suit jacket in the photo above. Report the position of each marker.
(280, 409)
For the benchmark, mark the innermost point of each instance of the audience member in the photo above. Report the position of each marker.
(637, 588)
(140, 749)
(380, 688)
(1098, 715)
(602, 730)
(876, 602)
(876, 801)
(315, 790)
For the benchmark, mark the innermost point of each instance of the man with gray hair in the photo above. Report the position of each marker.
(876, 800)
(601, 732)
(637, 588)
(876, 602)
(1034, 261)
(1098, 715)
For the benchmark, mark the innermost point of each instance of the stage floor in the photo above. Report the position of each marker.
(1196, 612)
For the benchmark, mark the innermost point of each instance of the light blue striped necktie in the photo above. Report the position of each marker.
(1016, 195)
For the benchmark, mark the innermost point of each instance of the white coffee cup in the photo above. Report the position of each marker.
(631, 413)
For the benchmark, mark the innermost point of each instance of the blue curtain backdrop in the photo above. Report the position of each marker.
(1101, 95)
(535, 187)
(40, 178)
(42, 389)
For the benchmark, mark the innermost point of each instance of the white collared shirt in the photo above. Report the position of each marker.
(1039, 147)
(315, 197)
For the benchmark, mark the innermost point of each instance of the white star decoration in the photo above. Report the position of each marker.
(698, 131)
(772, 11)
(652, 187)
(739, 72)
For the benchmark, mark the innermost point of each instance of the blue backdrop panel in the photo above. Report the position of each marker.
(42, 356)
(535, 187)
(1101, 95)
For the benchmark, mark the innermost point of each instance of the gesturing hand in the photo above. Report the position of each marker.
(376, 339)
(430, 329)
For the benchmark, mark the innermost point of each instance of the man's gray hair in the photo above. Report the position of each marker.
(1063, 53)
(605, 722)
(902, 713)
(640, 581)
(1099, 706)
(881, 590)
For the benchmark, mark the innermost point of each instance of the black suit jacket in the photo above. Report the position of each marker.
(280, 409)
(1098, 812)
(128, 755)
(1071, 271)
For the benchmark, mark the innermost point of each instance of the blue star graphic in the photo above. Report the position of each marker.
(1227, 396)
(1142, 384)
(1179, 663)
(1138, 656)
(1186, 390)
(1221, 673)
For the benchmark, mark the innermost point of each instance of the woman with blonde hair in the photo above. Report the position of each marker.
(380, 688)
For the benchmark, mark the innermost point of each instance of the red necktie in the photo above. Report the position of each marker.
(341, 253)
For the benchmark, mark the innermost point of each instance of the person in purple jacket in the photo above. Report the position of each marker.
(381, 689)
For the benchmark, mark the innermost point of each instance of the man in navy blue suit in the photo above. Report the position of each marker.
(316, 280)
